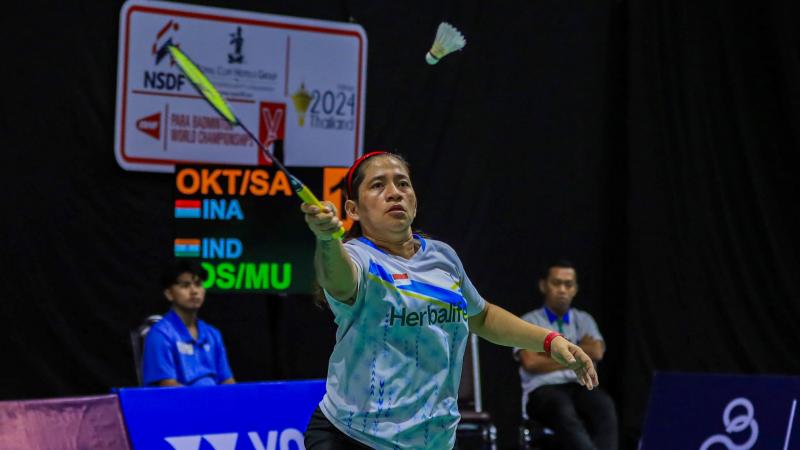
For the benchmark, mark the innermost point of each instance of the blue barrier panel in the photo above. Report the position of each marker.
(722, 412)
(244, 416)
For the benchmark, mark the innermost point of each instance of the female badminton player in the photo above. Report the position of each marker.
(404, 307)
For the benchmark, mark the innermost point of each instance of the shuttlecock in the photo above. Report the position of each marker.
(448, 40)
(301, 100)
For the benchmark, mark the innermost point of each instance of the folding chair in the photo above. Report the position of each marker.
(137, 336)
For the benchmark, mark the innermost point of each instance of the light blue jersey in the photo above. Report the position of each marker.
(394, 373)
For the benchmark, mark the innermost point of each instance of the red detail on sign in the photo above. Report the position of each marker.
(271, 126)
(150, 125)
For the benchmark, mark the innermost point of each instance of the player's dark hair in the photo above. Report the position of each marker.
(181, 266)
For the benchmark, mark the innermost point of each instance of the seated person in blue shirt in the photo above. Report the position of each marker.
(181, 350)
(581, 419)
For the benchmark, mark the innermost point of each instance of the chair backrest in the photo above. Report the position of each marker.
(469, 391)
(137, 336)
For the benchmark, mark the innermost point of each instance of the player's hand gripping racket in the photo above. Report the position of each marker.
(214, 98)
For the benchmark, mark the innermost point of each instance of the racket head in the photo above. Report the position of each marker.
(202, 84)
(215, 99)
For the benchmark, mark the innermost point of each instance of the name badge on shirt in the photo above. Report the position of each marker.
(401, 279)
(207, 347)
(185, 348)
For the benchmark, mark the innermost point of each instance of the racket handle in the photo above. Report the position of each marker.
(307, 196)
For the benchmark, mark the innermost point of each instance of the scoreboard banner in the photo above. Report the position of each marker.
(245, 226)
(298, 84)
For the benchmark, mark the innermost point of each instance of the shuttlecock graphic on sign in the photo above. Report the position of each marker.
(448, 40)
(301, 99)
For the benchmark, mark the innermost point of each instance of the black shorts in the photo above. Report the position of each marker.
(322, 435)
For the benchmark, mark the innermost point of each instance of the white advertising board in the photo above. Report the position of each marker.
(297, 84)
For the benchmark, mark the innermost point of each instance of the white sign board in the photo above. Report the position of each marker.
(298, 84)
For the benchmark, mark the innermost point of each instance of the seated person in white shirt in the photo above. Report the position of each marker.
(581, 419)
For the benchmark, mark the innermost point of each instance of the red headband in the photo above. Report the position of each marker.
(355, 165)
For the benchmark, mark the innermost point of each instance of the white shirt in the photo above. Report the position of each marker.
(579, 324)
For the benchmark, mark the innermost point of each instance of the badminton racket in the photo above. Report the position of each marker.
(215, 99)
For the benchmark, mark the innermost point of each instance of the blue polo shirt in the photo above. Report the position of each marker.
(170, 351)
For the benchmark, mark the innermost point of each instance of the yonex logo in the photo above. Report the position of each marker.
(288, 439)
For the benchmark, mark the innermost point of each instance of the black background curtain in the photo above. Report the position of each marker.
(712, 265)
(650, 142)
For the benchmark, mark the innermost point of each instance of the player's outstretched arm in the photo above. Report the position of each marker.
(497, 325)
(335, 270)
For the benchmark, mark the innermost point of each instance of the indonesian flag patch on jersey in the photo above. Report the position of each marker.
(401, 279)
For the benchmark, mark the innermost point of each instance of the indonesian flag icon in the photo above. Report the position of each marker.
(401, 279)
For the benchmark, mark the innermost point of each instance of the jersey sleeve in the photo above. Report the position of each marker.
(158, 362)
(475, 302)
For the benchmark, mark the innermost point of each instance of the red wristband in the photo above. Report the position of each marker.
(549, 340)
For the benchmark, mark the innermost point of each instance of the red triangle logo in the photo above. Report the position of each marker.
(150, 125)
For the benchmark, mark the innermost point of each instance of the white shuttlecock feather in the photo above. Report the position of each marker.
(448, 40)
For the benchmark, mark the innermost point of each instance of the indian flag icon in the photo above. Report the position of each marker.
(187, 248)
